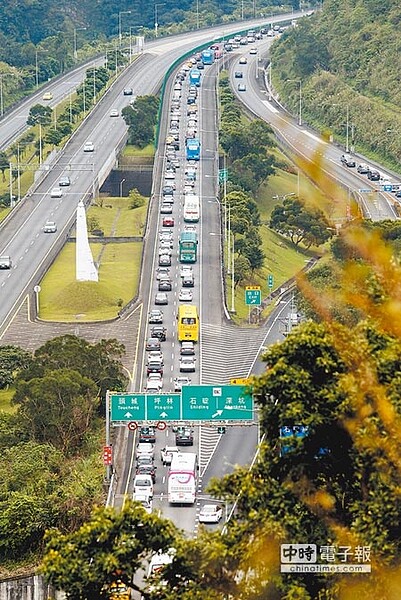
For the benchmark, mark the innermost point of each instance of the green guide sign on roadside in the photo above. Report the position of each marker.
(195, 403)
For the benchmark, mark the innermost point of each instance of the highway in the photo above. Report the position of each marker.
(22, 237)
(218, 453)
(305, 143)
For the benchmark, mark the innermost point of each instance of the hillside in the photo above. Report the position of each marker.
(38, 38)
(347, 58)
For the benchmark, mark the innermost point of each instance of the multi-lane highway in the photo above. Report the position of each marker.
(22, 237)
(306, 144)
(237, 446)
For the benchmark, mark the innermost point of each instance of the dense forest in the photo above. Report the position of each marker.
(348, 61)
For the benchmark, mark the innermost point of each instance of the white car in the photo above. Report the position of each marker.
(114, 112)
(145, 448)
(187, 348)
(56, 192)
(89, 147)
(187, 364)
(145, 500)
(143, 484)
(50, 227)
(210, 513)
(153, 386)
(64, 181)
(185, 295)
(185, 270)
(166, 454)
(154, 383)
(253, 51)
(180, 381)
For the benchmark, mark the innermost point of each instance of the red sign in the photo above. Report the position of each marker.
(132, 425)
(107, 455)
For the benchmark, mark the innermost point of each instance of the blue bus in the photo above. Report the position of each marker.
(207, 56)
(193, 149)
(195, 77)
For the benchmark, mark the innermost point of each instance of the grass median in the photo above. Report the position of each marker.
(62, 298)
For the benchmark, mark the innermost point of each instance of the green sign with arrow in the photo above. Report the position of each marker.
(195, 403)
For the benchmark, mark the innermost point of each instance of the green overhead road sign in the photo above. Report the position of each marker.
(195, 403)
(216, 403)
(253, 295)
(145, 407)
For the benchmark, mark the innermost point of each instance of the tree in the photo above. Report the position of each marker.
(300, 223)
(111, 545)
(39, 114)
(58, 408)
(53, 137)
(12, 361)
(242, 269)
(4, 163)
(100, 362)
(141, 120)
(136, 199)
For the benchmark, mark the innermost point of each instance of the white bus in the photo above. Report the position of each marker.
(182, 478)
(191, 209)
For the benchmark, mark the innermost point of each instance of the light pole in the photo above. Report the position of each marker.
(75, 40)
(121, 187)
(130, 43)
(94, 84)
(156, 18)
(1, 92)
(346, 126)
(299, 81)
(122, 12)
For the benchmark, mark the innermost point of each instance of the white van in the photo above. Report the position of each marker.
(143, 484)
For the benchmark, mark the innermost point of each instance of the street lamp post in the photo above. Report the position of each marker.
(75, 40)
(121, 187)
(299, 81)
(1, 92)
(346, 127)
(156, 17)
(122, 12)
(94, 84)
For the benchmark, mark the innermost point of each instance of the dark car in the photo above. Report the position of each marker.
(152, 343)
(348, 160)
(238, 74)
(168, 190)
(165, 285)
(184, 437)
(147, 470)
(374, 175)
(154, 366)
(147, 434)
(158, 331)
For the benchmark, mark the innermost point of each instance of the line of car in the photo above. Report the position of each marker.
(348, 160)
(173, 161)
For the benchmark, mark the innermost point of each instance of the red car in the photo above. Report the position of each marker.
(168, 222)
